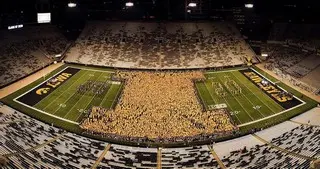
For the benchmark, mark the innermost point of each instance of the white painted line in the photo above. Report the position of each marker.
(277, 85)
(41, 111)
(253, 94)
(238, 101)
(77, 100)
(303, 103)
(89, 101)
(223, 99)
(62, 92)
(91, 69)
(40, 83)
(226, 71)
(245, 124)
(60, 118)
(116, 95)
(105, 95)
(210, 93)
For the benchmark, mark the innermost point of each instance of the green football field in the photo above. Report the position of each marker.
(245, 101)
(59, 102)
(65, 102)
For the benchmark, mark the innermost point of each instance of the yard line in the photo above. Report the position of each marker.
(256, 96)
(90, 100)
(277, 85)
(116, 95)
(203, 101)
(268, 117)
(93, 69)
(69, 97)
(78, 100)
(225, 71)
(63, 92)
(46, 113)
(239, 103)
(105, 95)
(247, 97)
(210, 93)
(226, 102)
(41, 83)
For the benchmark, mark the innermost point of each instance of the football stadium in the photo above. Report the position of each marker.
(148, 84)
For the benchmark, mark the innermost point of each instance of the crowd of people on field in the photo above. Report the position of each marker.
(160, 106)
(91, 87)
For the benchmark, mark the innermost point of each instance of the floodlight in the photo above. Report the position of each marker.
(129, 4)
(264, 55)
(72, 5)
(192, 4)
(248, 5)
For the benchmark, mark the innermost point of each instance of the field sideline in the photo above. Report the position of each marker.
(253, 108)
(66, 104)
(250, 105)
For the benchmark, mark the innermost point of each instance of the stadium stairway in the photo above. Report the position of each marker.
(282, 149)
(105, 151)
(34, 148)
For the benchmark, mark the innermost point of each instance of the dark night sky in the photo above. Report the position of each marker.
(283, 10)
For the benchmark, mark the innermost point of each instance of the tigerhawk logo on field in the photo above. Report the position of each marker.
(42, 91)
(53, 83)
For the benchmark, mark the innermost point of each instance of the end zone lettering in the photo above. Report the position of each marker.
(40, 92)
(53, 83)
(273, 91)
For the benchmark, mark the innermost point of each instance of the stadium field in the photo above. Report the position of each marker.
(244, 96)
(56, 98)
(70, 93)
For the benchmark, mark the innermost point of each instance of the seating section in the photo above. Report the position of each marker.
(8, 115)
(189, 157)
(305, 66)
(300, 35)
(160, 45)
(303, 140)
(28, 143)
(300, 139)
(129, 157)
(291, 64)
(24, 51)
(263, 156)
(24, 134)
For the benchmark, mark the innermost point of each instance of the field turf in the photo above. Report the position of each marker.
(63, 107)
(67, 103)
(246, 107)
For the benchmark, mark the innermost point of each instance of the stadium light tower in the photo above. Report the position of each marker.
(248, 5)
(192, 4)
(129, 4)
(72, 5)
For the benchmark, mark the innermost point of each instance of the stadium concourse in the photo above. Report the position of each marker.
(292, 144)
